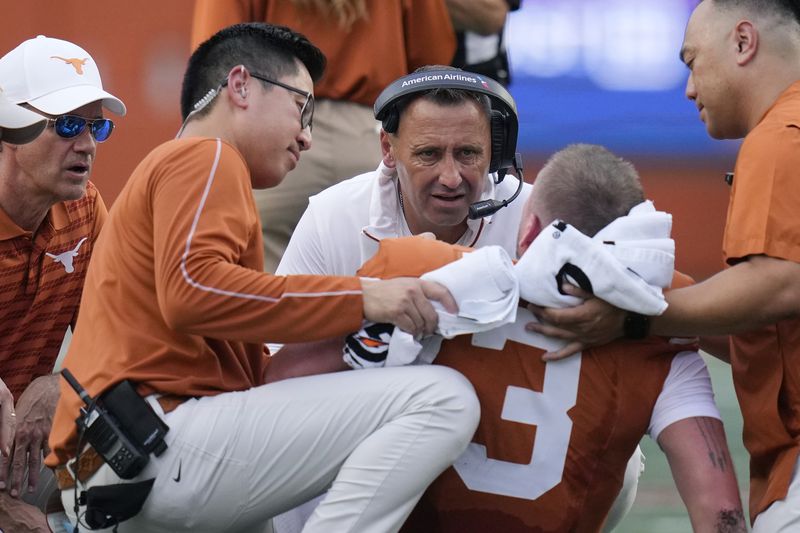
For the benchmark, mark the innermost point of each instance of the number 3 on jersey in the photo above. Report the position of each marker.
(547, 410)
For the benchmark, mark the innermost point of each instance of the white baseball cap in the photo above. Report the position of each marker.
(17, 124)
(54, 76)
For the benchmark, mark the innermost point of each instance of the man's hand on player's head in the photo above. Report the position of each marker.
(593, 323)
(405, 303)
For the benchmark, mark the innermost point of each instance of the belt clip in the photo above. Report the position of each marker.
(69, 468)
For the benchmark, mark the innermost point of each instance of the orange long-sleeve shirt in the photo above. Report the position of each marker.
(175, 298)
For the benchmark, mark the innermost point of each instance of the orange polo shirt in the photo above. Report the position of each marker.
(41, 277)
(764, 218)
(176, 299)
(398, 37)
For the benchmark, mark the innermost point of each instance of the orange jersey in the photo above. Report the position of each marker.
(397, 37)
(175, 298)
(41, 277)
(763, 219)
(554, 439)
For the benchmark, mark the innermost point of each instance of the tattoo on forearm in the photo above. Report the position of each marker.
(716, 446)
(731, 521)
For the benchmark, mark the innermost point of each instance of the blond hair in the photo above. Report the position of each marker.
(586, 186)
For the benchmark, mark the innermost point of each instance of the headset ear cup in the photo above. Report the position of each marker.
(498, 133)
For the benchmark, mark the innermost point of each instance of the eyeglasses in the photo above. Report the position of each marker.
(307, 111)
(70, 126)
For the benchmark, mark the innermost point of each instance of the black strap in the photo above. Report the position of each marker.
(576, 274)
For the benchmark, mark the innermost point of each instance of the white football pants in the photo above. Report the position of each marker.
(375, 439)
(782, 516)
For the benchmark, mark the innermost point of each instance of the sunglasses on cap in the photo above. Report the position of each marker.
(70, 126)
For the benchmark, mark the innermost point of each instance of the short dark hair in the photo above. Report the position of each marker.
(266, 49)
(586, 186)
(784, 9)
(445, 97)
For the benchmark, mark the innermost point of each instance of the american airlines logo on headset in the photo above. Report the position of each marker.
(440, 77)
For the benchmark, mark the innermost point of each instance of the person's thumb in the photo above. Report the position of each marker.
(435, 291)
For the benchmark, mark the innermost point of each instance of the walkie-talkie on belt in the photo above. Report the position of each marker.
(103, 431)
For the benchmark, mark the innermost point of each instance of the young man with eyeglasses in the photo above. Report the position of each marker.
(50, 216)
(177, 302)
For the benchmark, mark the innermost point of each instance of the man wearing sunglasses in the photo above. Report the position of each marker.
(50, 216)
(178, 303)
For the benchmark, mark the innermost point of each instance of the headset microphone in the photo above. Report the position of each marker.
(484, 208)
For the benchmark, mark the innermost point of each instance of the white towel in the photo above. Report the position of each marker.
(627, 263)
(642, 243)
(484, 287)
(486, 291)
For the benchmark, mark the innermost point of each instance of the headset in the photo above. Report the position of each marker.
(504, 124)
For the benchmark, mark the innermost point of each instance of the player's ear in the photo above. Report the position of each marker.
(529, 230)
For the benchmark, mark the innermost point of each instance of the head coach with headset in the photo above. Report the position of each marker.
(448, 139)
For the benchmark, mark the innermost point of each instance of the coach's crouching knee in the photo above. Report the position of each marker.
(456, 410)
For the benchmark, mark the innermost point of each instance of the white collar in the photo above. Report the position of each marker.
(386, 218)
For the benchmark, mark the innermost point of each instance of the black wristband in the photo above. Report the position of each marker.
(636, 326)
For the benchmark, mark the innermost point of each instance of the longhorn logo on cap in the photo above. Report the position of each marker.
(76, 63)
